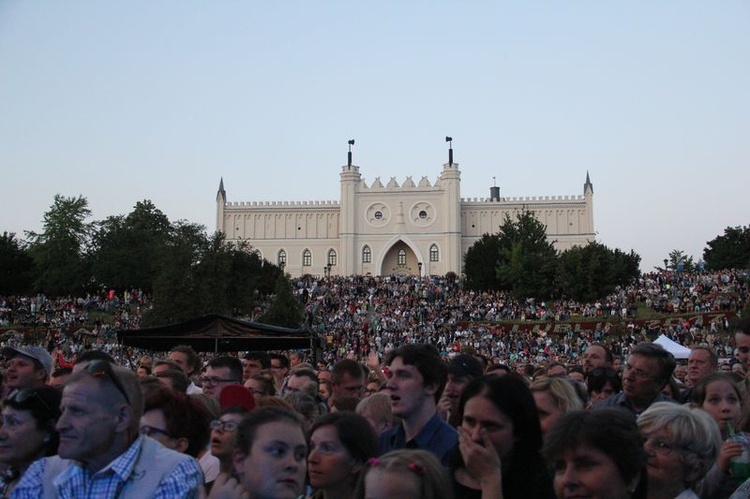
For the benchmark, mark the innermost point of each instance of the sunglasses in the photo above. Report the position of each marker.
(98, 368)
(28, 394)
(608, 373)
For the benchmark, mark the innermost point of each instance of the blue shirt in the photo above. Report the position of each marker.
(76, 482)
(436, 436)
(621, 401)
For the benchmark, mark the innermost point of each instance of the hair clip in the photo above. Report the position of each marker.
(373, 461)
(416, 468)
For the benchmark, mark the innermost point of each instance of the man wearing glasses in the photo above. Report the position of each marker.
(647, 370)
(101, 452)
(221, 372)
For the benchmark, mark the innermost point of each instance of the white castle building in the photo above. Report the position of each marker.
(392, 229)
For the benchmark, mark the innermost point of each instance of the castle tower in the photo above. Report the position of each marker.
(450, 180)
(350, 179)
(588, 195)
(221, 201)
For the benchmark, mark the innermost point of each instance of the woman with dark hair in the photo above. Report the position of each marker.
(27, 432)
(340, 445)
(597, 454)
(500, 442)
(602, 383)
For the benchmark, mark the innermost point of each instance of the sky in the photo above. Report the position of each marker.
(125, 101)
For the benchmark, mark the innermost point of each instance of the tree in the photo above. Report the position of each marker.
(16, 266)
(480, 262)
(59, 250)
(729, 251)
(527, 259)
(678, 260)
(586, 273)
(127, 248)
(285, 309)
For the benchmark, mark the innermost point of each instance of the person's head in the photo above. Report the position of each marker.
(28, 367)
(576, 374)
(376, 409)
(461, 370)
(340, 445)
(261, 385)
(609, 442)
(648, 369)
(224, 435)
(279, 366)
(101, 410)
(220, 373)
(174, 379)
(296, 358)
(372, 387)
(602, 383)
(271, 453)
(302, 380)
(596, 356)
(185, 357)
(161, 365)
(83, 358)
(324, 389)
(702, 361)
(721, 398)
(681, 444)
(324, 375)
(504, 407)
(557, 370)
(177, 421)
(146, 361)
(553, 398)
(416, 474)
(253, 363)
(60, 376)
(742, 340)
(306, 406)
(416, 379)
(27, 429)
(347, 379)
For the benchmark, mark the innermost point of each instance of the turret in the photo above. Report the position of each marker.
(221, 201)
(588, 187)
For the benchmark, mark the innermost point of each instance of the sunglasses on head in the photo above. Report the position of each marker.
(29, 394)
(98, 368)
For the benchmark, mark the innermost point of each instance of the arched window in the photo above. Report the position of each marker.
(401, 257)
(281, 258)
(366, 255)
(307, 258)
(434, 254)
(332, 257)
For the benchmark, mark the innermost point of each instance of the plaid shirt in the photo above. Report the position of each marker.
(76, 482)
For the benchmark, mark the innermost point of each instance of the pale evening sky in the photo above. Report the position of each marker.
(125, 101)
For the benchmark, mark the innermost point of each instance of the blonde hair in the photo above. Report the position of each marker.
(433, 477)
(378, 407)
(561, 390)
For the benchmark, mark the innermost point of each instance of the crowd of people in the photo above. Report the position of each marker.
(425, 390)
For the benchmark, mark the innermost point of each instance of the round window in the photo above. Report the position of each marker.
(422, 214)
(378, 215)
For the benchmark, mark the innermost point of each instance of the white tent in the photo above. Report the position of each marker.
(679, 351)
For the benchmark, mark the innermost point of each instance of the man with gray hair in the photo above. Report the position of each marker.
(101, 452)
(648, 369)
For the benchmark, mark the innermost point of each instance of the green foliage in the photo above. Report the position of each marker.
(285, 309)
(16, 266)
(586, 273)
(527, 262)
(126, 249)
(480, 262)
(678, 260)
(729, 251)
(59, 250)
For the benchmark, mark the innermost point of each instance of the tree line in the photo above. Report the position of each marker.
(188, 272)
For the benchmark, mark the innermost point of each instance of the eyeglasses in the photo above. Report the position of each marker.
(28, 394)
(224, 425)
(660, 446)
(103, 368)
(215, 381)
(150, 431)
(638, 372)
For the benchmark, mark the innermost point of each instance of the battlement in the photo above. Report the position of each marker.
(249, 204)
(393, 185)
(527, 199)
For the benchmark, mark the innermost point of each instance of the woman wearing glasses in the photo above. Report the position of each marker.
(27, 432)
(681, 445)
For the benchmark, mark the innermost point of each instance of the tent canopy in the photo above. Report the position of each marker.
(679, 351)
(218, 333)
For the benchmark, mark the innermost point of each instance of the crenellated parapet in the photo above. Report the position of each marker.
(279, 204)
(525, 199)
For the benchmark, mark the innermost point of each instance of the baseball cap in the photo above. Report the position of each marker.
(37, 353)
(465, 365)
(236, 395)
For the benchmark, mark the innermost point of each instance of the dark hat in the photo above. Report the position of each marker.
(236, 395)
(464, 365)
